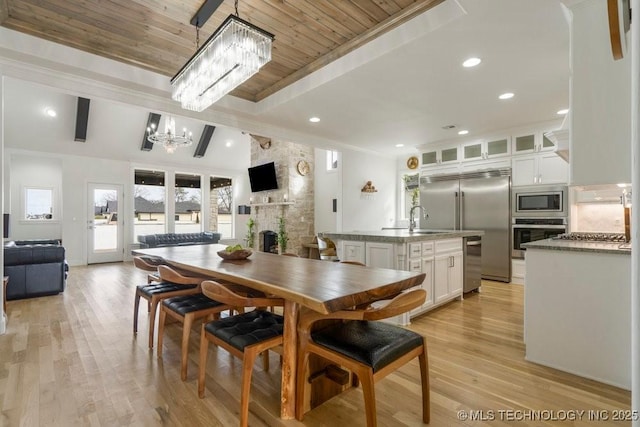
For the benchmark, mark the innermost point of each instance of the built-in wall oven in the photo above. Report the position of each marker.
(538, 212)
(525, 230)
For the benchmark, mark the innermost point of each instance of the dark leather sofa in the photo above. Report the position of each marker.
(35, 268)
(178, 239)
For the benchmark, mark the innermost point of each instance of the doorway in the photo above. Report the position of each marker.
(105, 236)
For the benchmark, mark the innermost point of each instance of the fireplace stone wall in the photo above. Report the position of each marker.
(293, 188)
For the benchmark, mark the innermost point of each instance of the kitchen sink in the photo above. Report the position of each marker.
(425, 232)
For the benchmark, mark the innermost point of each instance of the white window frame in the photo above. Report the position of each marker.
(332, 156)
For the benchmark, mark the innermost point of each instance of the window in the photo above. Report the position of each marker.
(188, 206)
(332, 160)
(149, 196)
(410, 195)
(38, 204)
(221, 217)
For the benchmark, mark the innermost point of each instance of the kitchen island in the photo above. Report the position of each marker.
(437, 253)
(578, 310)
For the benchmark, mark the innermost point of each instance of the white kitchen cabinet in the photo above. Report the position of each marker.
(379, 255)
(532, 142)
(448, 270)
(421, 261)
(486, 149)
(542, 168)
(441, 155)
(352, 251)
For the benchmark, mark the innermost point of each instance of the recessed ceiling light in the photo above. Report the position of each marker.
(471, 62)
(563, 112)
(50, 112)
(314, 119)
(463, 132)
(228, 144)
(506, 95)
(399, 145)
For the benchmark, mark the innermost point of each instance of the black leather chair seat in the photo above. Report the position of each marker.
(189, 303)
(161, 288)
(247, 328)
(375, 344)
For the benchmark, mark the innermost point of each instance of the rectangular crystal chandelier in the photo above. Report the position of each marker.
(234, 53)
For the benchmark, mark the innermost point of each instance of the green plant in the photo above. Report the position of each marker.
(251, 233)
(415, 196)
(282, 235)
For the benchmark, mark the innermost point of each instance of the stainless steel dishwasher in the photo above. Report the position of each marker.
(472, 262)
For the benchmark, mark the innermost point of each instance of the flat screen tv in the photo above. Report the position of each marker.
(263, 177)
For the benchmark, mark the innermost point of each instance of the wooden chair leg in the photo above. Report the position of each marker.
(248, 360)
(152, 319)
(186, 330)
(204, 349)
(161, 320)
(136, 305)
(366, 379)
(265, 360)
(426, 394)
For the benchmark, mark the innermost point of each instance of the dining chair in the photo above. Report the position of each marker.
(166, 283)
(244, 335)
(327, 249)
(369, 349)
(186, 309)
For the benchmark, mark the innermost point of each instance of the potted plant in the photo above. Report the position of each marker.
(282, 236)
(251, 234)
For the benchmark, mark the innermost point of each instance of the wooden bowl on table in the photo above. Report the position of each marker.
(235, 255)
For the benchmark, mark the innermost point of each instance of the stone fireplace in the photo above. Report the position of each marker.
(268, 241)
(293, 200)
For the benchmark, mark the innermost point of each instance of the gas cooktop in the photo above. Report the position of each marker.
(593, 237)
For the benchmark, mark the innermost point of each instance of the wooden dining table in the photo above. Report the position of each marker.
(322, 286)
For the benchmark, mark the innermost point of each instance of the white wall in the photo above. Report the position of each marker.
(359, 211)
(600, 149)
(328, 186)
(34, 171)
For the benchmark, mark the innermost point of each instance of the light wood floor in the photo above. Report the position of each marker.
(72, 360)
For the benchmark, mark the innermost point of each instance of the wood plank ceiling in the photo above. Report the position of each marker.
(156, 34)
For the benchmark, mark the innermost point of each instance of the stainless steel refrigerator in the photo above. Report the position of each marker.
(474, 201)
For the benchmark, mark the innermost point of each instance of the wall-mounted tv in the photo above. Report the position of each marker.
(263, 177)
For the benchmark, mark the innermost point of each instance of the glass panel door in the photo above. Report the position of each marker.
(104, 224)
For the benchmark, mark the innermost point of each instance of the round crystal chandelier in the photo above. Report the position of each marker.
(169, 140)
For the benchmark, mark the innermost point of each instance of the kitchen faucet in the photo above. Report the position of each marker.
(412, 220)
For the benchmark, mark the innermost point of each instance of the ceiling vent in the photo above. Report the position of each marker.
(207, 133)
(82, 119)
(152, 123)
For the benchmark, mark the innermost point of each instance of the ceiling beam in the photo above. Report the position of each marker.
(82, 119)
(154, 119)
(205, 137)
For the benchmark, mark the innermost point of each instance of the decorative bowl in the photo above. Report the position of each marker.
(239, 254)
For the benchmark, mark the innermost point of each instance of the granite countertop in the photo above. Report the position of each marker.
(580, 246)
(400, 235)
